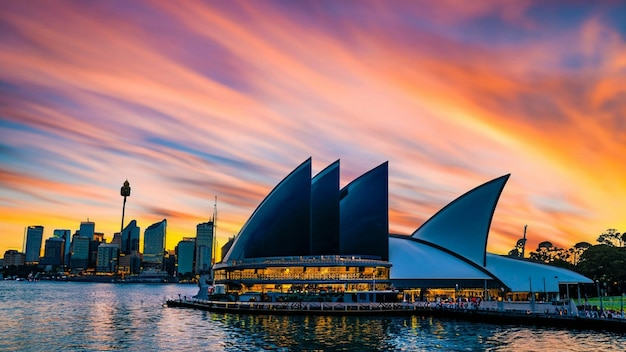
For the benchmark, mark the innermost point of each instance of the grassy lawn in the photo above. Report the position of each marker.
(611, 302)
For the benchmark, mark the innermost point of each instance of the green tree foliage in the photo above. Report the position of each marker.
(549, 254)
(612, 238)
(604, 263)
(578, 249)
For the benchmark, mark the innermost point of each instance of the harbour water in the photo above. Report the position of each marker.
(44, 316)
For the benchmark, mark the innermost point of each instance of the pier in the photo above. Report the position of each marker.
(494, 315)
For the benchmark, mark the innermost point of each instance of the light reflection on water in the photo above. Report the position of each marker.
(99, 317)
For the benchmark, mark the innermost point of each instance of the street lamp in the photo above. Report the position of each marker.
(599, 295)
(124, 192)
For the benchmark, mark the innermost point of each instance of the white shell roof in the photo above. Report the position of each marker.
(519, 274)
(414, 260)
(420, 261)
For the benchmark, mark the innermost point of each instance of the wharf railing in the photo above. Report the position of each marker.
(305, 306)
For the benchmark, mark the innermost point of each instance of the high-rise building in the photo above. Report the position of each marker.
(154, 243)
(227, 246)
(117, 239)
(67, 236)
(184, 255)
(99, 237)
(130, 238)
(94, 243)
(169, 263)
(107, 258)
(54, 252)
(80, 252)
(13, 257)
(204, 247)
(34, 237)
(87, 229)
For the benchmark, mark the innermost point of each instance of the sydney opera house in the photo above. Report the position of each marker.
(310, 234)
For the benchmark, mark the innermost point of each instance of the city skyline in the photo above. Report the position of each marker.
(196, 100)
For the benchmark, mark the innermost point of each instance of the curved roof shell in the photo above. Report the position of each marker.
(285, 211)
(364, 215)
(325, 211)
(415, 260)
(522, 275)
(452, 245)
(463, 225)
(303, 217)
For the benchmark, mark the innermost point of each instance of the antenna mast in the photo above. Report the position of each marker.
(213, 244)
(524, 245)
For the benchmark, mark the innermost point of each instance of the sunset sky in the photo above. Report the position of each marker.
(189, 100)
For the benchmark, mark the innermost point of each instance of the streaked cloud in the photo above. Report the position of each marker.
(191, 100)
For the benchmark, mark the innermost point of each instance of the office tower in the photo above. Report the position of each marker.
(107, 258)
(54, 252)
(94, 243)
(227, 246)
(204, 247)
(130, 238)
(184, 255)
(130, 258)
(80, 252)
(13, 258)
(169, 262)
(34, 236)
(117, 239)
(154, 244)
(87, 229)
(67, 236)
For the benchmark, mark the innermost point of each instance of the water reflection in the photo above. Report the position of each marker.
(98, 317)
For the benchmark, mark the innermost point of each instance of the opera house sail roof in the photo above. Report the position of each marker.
(310, 222)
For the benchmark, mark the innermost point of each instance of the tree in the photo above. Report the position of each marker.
(604, 263)
(549, 254)
(578, 249)
(612, 238)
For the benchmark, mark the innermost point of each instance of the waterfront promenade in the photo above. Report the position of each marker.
(515, 313)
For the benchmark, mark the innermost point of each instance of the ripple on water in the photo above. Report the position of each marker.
(47, 316)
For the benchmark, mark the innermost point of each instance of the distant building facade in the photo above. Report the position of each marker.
(87, 229)
(67, 236)
(34, 237)
(117, 239)
(14, 258)
(107, 258)
(154, 244)
(130, 238)
(130, 258)
(80, 252)
(204, 247)
(94, 243)
(54, 252)
(185, 255)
